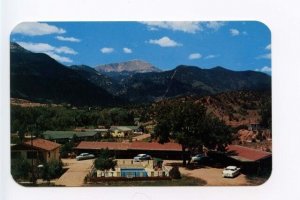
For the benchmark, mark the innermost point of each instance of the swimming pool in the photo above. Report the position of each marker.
(133, 172)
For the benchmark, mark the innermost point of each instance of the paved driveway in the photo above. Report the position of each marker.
(76, 172)
(213, 176)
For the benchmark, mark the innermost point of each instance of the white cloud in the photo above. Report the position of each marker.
(36, 47)
(49, 50)
(210, 56)
(107, 50)
(264, 56)
(36, 29)
(59, 58)
(69, 39)
(165, 42)
(265, 69)
(215, 25)
(65, 50)
(127, 50)
(194, 56)
(234, 32)
(268, 47)
(188, 27)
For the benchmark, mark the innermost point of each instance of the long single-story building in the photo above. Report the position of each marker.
(131, 149)
(65, 136)
(38, 150)
(252, 161)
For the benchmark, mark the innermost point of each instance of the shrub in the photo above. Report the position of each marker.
(20, 168)
(52, 170)
(175, 173)
(104, 161)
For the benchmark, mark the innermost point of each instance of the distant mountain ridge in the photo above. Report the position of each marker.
(38, 77)
(97, 78)
(126, 68)
(191, 80)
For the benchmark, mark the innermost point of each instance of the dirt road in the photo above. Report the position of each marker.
(76, 172)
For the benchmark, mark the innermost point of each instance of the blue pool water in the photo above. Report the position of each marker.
(130, 172)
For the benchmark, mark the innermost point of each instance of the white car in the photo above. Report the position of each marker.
(231, 171)
(141, 157)
(84, 156)
(197, 157)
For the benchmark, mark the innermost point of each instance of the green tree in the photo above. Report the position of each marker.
(104, 161)
(188, 124)
(266, 114)
(20, 168)
(52, 169)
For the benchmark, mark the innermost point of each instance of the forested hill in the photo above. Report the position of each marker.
(38, 77)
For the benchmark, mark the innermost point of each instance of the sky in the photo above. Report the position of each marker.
(235, 45)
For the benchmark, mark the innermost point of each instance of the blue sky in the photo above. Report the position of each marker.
(234, 45)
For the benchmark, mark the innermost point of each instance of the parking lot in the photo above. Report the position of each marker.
(213, 176)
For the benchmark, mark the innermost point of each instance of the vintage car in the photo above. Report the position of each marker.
(231, 172)
(84, 156)
(141, 157)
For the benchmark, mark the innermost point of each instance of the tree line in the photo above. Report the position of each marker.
(38, 119)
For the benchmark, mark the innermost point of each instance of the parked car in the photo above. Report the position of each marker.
(198, 157)
(84, 156)
(141, 157)
(231, 172)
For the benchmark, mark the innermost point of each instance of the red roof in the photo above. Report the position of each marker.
(129, 146)
(102, 145)
(246, 154)
(155, 146)
(43, 144)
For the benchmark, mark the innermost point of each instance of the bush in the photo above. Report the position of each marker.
(52, 170)
(175, 173)
(20, 168)
(104, 162)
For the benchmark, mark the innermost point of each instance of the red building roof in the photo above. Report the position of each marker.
(155, 146)
(246, 154)
(42, 144)
(129, 146)
(103, 145)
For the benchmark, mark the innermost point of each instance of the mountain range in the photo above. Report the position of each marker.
(36, 76)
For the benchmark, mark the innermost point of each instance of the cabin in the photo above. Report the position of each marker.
(123, 131)
(36, 150)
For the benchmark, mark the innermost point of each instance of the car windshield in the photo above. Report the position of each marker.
(140, 155)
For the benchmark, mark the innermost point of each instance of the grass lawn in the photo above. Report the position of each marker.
(184, 181)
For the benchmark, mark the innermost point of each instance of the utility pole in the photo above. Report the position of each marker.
(32, 155)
